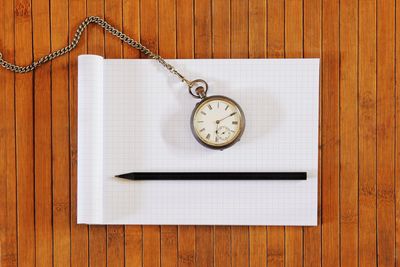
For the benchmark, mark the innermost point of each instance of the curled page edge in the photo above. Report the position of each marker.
(90, 139)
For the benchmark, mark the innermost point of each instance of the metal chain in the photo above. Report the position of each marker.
(102, 23)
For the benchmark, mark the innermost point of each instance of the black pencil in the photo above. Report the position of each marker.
(214, 176)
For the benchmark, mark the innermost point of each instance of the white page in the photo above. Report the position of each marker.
(90, 139)
(146, 128)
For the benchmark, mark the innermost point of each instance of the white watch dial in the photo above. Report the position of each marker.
(218, 121)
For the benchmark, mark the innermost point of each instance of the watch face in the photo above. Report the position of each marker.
(217, 122)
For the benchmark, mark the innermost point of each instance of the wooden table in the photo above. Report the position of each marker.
(359, 158)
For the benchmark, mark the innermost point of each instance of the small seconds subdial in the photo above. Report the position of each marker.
(224, 133)
(217, 122)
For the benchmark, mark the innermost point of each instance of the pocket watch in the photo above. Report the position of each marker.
(217, 122)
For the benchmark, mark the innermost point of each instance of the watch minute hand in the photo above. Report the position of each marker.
(218, 121)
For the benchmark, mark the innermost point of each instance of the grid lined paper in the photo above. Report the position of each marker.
(145, 127)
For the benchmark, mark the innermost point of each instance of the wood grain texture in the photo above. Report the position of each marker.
(258, 246)
(167, 49)
(276, 49)
(312, 49)
(43, 138)
(186, 246)
(24, 136)
(133, 233)
(204, 242)
(221, 49)
(60, 136)
(79, 232)
(359, 103)
(367, 133)
(257, 49)
(113, 49)
(294, 49)
(397, 141)
(330, 133)
(385, 132)
(240, 49)
(8, 175)
(97, 233)
(348, 135)
(149, 37)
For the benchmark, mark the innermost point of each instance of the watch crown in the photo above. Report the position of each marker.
(200, 91)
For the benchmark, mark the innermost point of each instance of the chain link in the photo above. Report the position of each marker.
(81, 28)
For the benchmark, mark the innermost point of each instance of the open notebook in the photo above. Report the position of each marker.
(134, 116)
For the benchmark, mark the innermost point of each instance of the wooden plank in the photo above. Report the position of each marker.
(151, 246)
(258, 246)
(186, 246)
(385, 132)
(240, 49)
(97, 245)
(60, 135)
(367, 133)
(257, 28)
(115, 245)
(397, 148)
(240, 28)
(312, 49)
(330, 133)
(167, 28)
(276, 28)
(294, 49)
(240, 245)
(169, 245)
(185, 49)
(113, 15)
(294, 29)
(97, 233)
(294, 246)
(204, 246)
(275, 246)
(275, 49)
(24, 135)
(257, 49)
(202, 29)
(221, 49)
(222, 246)
(79, 233)
(204, 241)
(133, 233)
(42, 117)
(220, 33)
(149, 25)
(167, 49)
(133, 246)
(348, 134)
(149, 38)
(184, 29)
(113, 49)
(131, 25)
(95, 34)
(8, 178)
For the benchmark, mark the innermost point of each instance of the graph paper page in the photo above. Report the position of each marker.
(146, 128)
